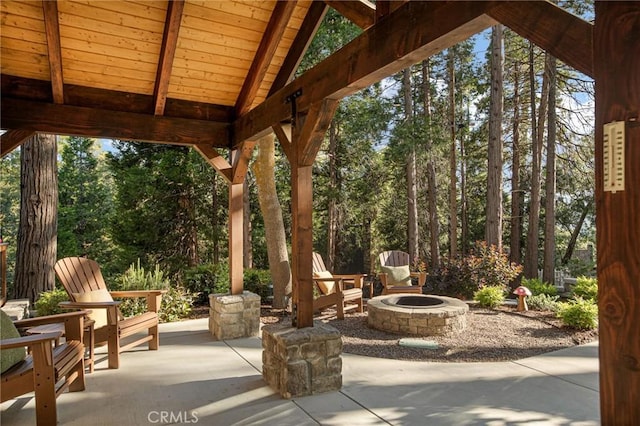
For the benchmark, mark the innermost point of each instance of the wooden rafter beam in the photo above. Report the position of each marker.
(40, 90)
(379, 52)
(217, 161)
(300, 44)
(52, 30)
(555, 30)
(270, 40)
(167, 53)
(11, 139)
(385, 7)
(360, 12)
(101, 123)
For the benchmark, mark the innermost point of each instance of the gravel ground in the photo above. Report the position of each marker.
(491, 335)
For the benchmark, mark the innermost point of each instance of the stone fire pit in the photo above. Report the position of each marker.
(417, 314)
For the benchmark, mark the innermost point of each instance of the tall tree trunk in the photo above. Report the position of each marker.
(333, 214)
(537, 133)
(574, 235)
(516, 193)
(279, 265)
(550, 179)
(464, 215)
(493, 224)
(215, 206)
(434, 226)
(412, 186)
(247, 259)
(38, 229)
(453, 206)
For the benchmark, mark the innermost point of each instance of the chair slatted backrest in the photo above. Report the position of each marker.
(318, 263)
(79, 275)
(394, 258)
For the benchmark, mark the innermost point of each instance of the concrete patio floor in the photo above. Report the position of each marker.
(194, 379)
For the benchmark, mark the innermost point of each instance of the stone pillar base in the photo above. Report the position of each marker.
(234, 316)
(299, 362)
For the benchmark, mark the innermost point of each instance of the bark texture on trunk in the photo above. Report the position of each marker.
(548, 267)
(38, 229)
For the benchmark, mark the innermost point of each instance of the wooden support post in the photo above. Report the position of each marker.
(616, 70)
(307, 136)
(236, 218)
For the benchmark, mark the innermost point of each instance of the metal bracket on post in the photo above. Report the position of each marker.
(294, 109)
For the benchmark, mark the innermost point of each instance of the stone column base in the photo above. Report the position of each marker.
(234, 316)
(299, 362)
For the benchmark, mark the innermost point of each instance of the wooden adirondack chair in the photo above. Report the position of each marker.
(48, 371)
(396, 258)
(85, 285)
(333, 291)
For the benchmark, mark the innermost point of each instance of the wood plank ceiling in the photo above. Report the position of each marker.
(208, 60)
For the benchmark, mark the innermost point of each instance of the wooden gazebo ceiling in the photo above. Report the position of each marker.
(211, 73)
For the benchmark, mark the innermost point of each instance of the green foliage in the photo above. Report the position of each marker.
(207, 279)
(137, 278)
(579, 313)
(543, 302)
(586, 288)
(537, 286)
(462, 277)
(579, 267)
(258, 281)
(47, 303)
(490, 296)
(176, 302)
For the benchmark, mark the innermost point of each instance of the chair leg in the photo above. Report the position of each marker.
(340, 309)
(78, 384)
(113, 347)
(154, 343)
(44, 387)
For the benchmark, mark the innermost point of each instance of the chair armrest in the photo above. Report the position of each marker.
(49, 319)
(421, 276)
(357, 279)
(137, 293)
(20, 342)
(89, 305)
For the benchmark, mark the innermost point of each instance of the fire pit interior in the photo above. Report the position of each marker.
(421, 315)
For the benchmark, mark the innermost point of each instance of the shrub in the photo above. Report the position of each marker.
(47, 303)
(586, 288)
(543, 302)
(203, 280)
(489, 297)
(579, 313)
(462, 277)
(538, 287)
(176, 302)
(258, 281)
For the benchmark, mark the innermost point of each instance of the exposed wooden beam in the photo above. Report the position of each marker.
(283, 133)
(241, 158)
(300, 44)
(52, 30)
(95, 122)
(314, 127)
(360, 12)
(268, 44)
(11, 139)
(167, 53)
(379, 52)
(217, 161)
(40, 90)
(385, 7)
(565, 36)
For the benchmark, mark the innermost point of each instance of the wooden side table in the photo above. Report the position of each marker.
(89, 338)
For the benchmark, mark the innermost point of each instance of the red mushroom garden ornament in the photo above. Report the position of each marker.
(522, 293)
